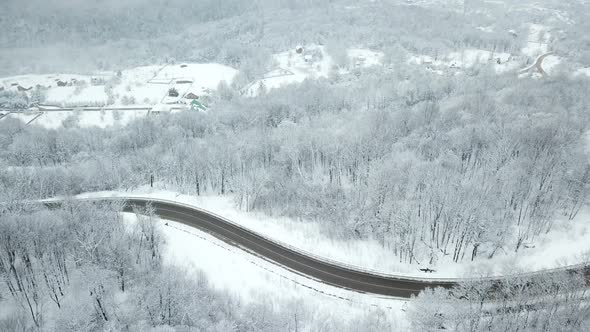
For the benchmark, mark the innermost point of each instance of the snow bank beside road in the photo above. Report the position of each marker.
(566, 245)
(255, 280)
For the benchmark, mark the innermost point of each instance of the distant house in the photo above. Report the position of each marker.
(61, 83)
(21, 88)
(97, 81)
(184, 82)
(173, 93)
(14, 84)
(183, 66)
(191, 95)
(197, 106)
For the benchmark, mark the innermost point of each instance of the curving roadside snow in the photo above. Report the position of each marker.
(255, 280)
(566, 245)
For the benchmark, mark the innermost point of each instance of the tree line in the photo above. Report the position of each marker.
(462, 168)
(556, 302)
(82, 267)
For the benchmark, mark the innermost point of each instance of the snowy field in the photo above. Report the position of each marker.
(567, 244)
(71, 95)
(81, 119)
(145, 88)
(150, 84)
(134, 86)
(501, 62)
(312, 63)
(538, 41)
(293, 67)
(551, 64)
(26, 117)
(49, 80)
(361, 57)
(452, 5)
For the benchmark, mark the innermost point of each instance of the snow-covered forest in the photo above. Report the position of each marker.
(464, 177)
(81, 268)
(437, 164)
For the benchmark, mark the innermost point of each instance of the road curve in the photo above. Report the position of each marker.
(316, 268)
(538, 64)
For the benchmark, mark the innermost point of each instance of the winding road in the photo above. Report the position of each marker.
(305, 264)
(538, 64)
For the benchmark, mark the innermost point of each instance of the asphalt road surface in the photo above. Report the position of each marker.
(300, 263)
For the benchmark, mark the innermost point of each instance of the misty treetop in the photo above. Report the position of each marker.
(110, 35)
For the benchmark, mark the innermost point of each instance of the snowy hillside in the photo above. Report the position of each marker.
(500, 62)
(82, 119)
(293, 66)
(146, 85)
(115, 98)
(150, 84)
(308, 62)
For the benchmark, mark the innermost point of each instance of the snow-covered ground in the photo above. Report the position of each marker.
(293, 67)
(140, 85)
(566, 244)
(467, 58)
(362, 57)
(71, 95)
(49, 80)
(150, 84)
(489, 29)
(582, 71)
(312, 63)
(24, 117)
(254, 280)
(551, 64)
(537, 41)
(452, 5)
(83, 119)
